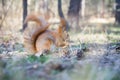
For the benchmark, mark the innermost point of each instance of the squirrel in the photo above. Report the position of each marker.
(38, 39)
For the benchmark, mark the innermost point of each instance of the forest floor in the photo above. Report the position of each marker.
(93, 54)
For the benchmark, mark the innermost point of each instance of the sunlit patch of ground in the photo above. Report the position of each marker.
(101, 20)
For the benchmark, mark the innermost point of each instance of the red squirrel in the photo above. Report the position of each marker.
(40, 38)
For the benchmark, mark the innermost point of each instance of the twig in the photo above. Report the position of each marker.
(5, 15)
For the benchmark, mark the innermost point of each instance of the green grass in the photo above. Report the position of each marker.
(33, 58)
(17, 71)
(90, 72)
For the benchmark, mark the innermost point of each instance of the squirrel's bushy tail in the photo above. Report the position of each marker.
(31, 33)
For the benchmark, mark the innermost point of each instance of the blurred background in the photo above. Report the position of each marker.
(94, 30)
(83, 12)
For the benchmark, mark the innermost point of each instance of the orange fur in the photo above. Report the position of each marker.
(40, 38)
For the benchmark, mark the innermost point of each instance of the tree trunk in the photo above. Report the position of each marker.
(3, 3)
(2, 11)
(24, 13)
(2, 14)
(102, 9)
(117, 12)
(60, 12)
(73, 14)
(83, 9)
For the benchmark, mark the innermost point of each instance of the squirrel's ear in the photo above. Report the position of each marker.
(63, 23)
